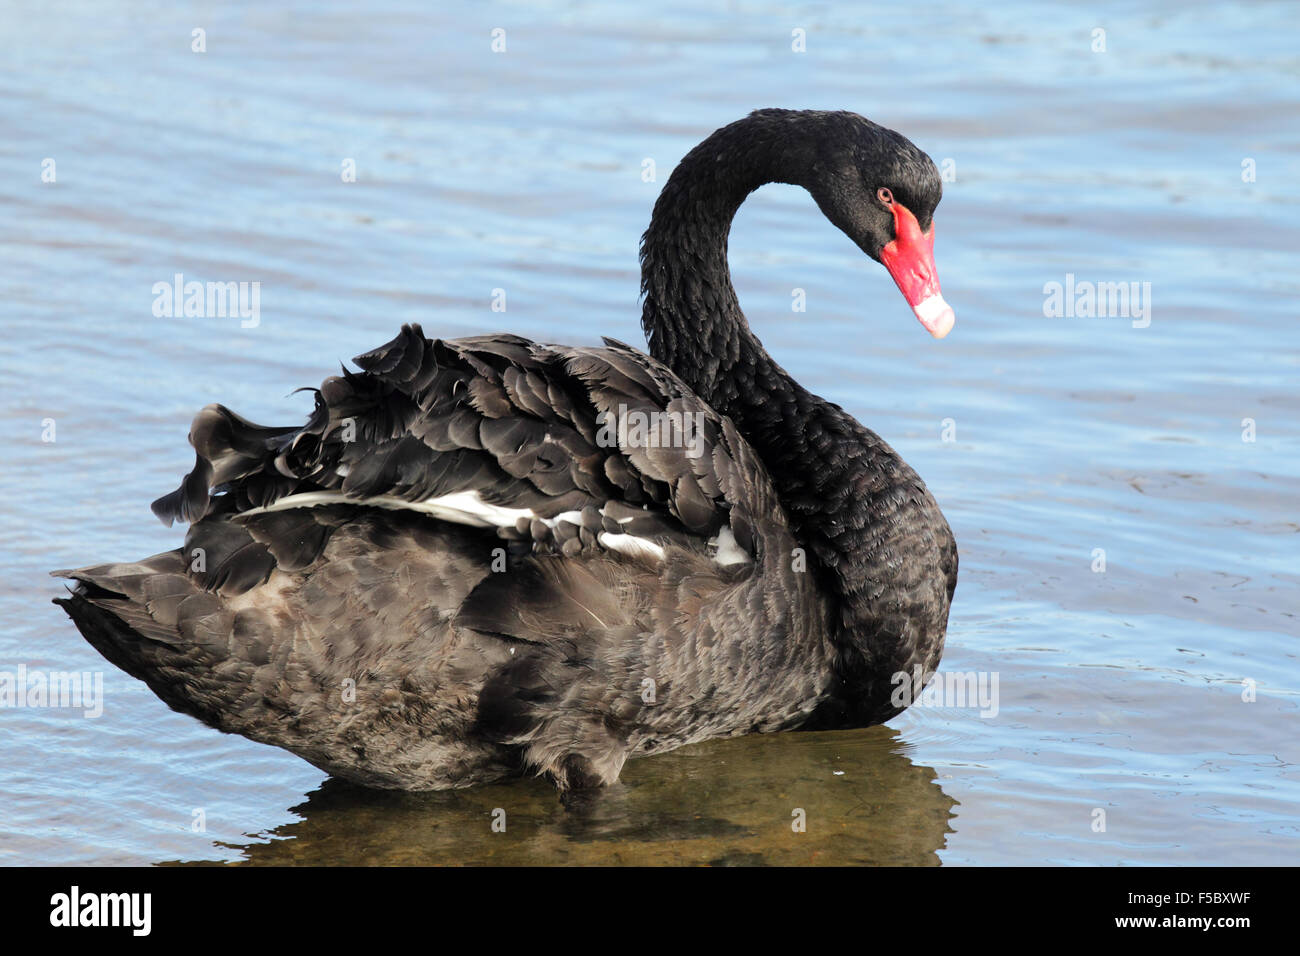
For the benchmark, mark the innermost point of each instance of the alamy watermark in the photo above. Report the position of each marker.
(74, 908)
(71, 689)
(976, 689)
(208, 300)
(635, 428)
(1082, 299)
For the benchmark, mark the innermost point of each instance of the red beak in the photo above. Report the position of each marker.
(909, 257)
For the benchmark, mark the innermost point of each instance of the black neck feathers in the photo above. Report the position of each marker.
(872, 532)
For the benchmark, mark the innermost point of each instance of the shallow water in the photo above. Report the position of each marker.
(1119, 690)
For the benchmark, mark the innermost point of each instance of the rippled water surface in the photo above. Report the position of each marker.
(1119, 690)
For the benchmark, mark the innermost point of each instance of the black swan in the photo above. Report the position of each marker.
(487, 557)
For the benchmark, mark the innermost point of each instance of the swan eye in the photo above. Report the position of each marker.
(885, 196)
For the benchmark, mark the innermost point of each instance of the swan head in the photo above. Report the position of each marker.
(881, 191)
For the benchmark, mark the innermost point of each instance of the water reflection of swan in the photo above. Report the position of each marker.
(722, 803)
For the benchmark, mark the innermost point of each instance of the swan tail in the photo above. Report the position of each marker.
(150, 619)
(184, 621)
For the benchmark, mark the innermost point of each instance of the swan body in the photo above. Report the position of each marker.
(476, 560)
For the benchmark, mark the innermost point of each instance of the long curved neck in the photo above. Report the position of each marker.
(873, 534)
(690, 314)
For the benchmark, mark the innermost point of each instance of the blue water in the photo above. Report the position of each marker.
(1120, 690)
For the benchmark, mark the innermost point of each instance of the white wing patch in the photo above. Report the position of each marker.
(461, 507)
(728, 551)
(469, 508)
(631, 545)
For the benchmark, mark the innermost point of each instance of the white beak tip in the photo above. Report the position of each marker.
(936, 315)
